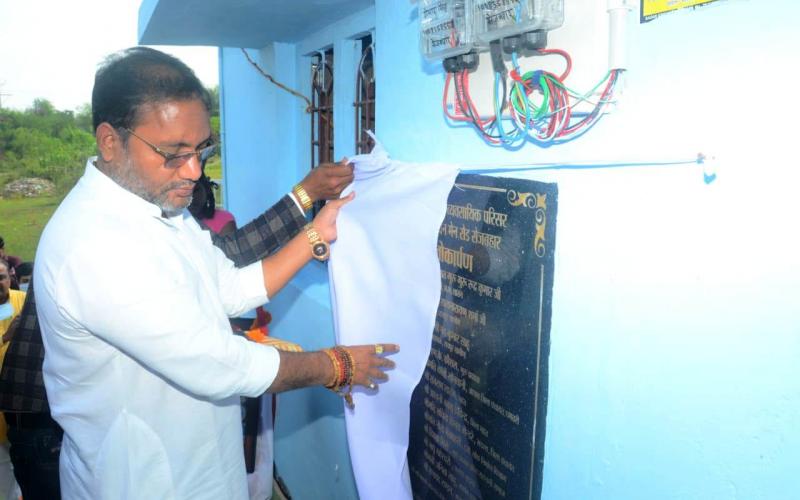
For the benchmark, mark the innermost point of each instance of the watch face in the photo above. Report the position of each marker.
(320, 250)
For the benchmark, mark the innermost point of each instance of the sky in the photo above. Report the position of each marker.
(51, 48)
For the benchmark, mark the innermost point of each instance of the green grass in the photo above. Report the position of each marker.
(214, 172)
(22, 222)
(214, 168)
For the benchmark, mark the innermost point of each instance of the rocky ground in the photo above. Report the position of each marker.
(28, 188)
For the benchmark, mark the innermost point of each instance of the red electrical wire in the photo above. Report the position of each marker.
(447, 80)
(464, 107)
(554, 125)
(482, 125)
(566, 57)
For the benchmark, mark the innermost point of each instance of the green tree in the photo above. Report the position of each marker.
(83, 117)
(42, 107)
(214, 93)
(43, 142)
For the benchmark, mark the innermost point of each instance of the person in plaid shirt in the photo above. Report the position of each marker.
(34, 436)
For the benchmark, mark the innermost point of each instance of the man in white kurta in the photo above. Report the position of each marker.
(165, 422)
(141, 368)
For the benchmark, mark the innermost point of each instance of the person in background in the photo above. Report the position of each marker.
(204, 208)
(24, 272)
(34, 436)
(13, 262)
(143, 375)
(10, 306)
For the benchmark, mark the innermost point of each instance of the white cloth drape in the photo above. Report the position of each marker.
(385, 286)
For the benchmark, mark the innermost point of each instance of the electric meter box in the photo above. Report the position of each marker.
(496, 19)
(445, 30)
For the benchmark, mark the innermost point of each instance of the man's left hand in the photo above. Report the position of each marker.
(325, 221)
(328, 180)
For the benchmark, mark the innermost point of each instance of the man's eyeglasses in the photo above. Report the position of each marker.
(176, 160)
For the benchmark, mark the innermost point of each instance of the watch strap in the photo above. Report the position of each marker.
(320, 249)
(302, 196)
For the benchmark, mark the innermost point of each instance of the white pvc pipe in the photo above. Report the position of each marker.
(617, 45)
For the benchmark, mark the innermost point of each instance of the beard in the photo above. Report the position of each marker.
(127, 176)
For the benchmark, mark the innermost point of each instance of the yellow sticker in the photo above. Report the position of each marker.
(655, 7)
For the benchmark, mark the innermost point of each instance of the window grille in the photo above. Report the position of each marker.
(365, 96)
(321, 112)
(322, 108)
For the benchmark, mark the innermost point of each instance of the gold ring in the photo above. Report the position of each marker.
(378, 349)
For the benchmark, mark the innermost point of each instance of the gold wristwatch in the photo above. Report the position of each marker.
(320, 249)
(302, 196)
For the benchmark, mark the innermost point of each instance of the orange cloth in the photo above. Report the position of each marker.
(260, 336)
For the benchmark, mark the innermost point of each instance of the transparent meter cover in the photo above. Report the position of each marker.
(444, 28)
(495, 19)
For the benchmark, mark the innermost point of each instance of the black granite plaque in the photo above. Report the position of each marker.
(478, 415)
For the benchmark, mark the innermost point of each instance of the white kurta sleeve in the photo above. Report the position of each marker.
(163, 318)
(237, 286)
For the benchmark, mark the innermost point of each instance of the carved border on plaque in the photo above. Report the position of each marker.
(537, 202)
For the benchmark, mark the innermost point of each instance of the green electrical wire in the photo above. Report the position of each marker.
(582, 97)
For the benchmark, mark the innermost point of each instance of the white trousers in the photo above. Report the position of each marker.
(9, 489)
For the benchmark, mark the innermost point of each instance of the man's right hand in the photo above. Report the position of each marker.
(279, 267)
(305, 369)
(328, 180)
(371, 363)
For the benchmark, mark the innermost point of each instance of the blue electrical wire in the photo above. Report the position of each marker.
(708, 178)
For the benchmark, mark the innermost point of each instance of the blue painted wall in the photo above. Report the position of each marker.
(266, 152)
(675, 336)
